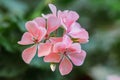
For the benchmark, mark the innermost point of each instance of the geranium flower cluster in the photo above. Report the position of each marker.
(64, 49)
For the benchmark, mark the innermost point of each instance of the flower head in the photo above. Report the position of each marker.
(42, 34)
(66, 53)
(37, 31)
(33, 35)
(68, 21)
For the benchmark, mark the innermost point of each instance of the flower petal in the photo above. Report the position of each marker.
(46, 16)
(37, 32)
(52, 57)
(67, 41)
(73, 16)
(83, 37)
(59, 47)
(68, 17)
(32, 27)
(41, 34)
(74, 48)
(28, 54)
(77, 58)
(26, 39)
(63, 45)
(56, 39)
(53, 8)
(52, 24)
(44, 49)
(60, 13)
(74, 28)
(77, 32)
(65, 66)
(40, 21)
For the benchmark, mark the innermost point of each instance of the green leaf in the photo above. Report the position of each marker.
(5, 43)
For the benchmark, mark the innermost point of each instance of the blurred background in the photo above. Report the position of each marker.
(101, 18)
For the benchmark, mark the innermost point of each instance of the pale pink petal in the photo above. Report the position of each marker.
(77, 32)
(74, 28)
(41, 34)
(59, 13)
(83, 40)
(74, 16)
(71, 18)
(40, 21)
(44, 49)
(32, 27)
(82, 33)
(53, 8)
(55, 39)
(52, 57)
(52, 24)
(28, 54)
(75, 48)
(27, 38)
(77, 58)
(68, 17)
(59, 47)
(83, 37)
(65, 66)
(67, 41)
(61, 19)
(64, 26)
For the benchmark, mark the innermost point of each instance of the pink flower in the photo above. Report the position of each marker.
(34, 35)
(64, 53)
(113, 77)
(38, 31)
(67, 17)
(78, 33)
(68, 21)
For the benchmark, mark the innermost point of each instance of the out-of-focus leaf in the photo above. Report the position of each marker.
(37, 11)
(5, 42)
(14, 6)
(103, 39)
(11, 65)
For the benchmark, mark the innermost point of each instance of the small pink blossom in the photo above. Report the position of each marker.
(34, 35)
(113, 77)
(64, 53)
(37, 31)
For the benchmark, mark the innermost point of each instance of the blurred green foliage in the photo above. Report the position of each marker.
(100, 17)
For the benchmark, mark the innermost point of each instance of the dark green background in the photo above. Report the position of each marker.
(101, 18)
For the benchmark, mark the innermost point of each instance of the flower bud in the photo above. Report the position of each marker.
(53, 66)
